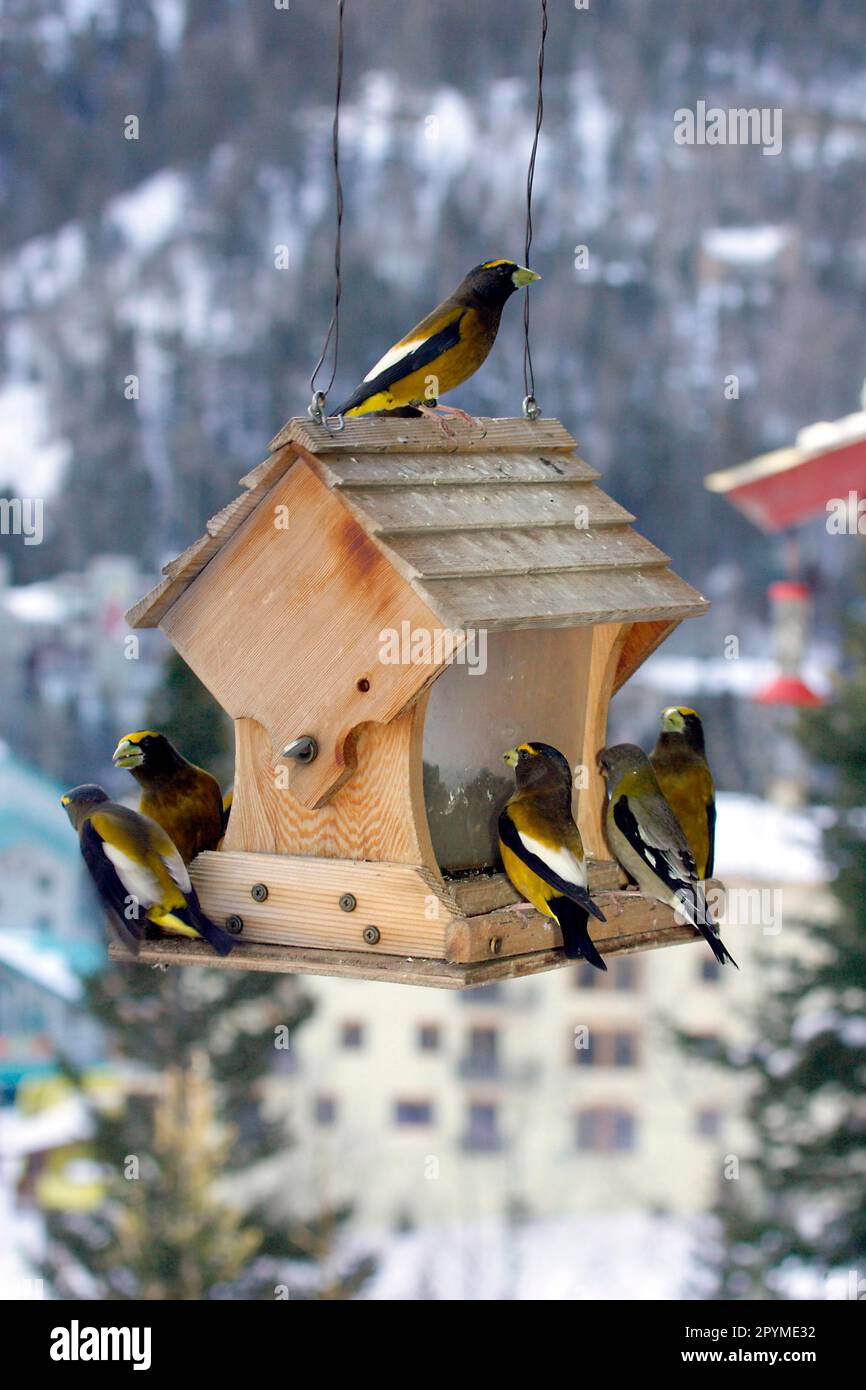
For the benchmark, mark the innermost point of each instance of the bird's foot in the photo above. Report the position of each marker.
(430, 412)
(456, 413)
(439, 412)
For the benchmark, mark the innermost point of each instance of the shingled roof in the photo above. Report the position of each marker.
(502, 526)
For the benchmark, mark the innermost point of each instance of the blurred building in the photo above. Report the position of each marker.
(47, 939)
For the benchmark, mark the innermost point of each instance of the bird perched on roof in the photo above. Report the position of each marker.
(184, 799)
(680, 764)
(138, 872)
(444, 349)
(649, 843)
(541, 846)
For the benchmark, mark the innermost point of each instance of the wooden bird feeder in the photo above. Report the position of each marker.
(405, 606)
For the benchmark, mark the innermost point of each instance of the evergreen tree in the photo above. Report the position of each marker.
(194, 1206)
(184, 710)
(799, 1201)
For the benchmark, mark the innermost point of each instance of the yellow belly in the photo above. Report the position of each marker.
(429, 383)
(528, 884)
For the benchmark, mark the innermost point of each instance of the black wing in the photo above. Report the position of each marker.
(113, 895)
(421, 356)
(663, 862)
(510, 837)
(711, 832)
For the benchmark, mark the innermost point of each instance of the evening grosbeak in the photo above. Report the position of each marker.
(647, 839)
(138, 872)
(680, 764)
(444, 349)
(541, 846)
(184, 799)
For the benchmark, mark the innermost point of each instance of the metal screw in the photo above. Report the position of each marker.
(259, 892)
(348, 902)
(495, 945)
(371, 935)
(303, 749)
(234, 924)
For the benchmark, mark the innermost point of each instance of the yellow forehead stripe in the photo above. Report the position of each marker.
(684, 709)
(491, 265)
(527, 748)
(64, 801)
(138, 736)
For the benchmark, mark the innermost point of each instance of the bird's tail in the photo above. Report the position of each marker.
(191, 917)
(572, 920)
(693, 906)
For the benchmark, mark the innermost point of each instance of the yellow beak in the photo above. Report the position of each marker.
(521, 276)
(127, 754)
(511, 757)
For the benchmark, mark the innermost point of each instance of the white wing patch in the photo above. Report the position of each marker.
(394, 354)
(138, 880)
(562, 861)
(178, 870)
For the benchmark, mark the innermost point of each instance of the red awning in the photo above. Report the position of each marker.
(791, 485)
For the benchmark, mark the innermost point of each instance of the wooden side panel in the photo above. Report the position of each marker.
(377, 814)
(641, 641)
(607, 643)
(284, 627)
(451, 470)
(408, 906)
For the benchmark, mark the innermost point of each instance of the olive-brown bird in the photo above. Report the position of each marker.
(649, 843)
(138, 872)
(680, 764)
(184, 799)
(541, 846)
(444, 349)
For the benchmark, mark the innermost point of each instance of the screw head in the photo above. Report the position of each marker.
(303, 749)
(371, 935)
(259, 892)
(348, 902)
(495, 945)
(234, 924)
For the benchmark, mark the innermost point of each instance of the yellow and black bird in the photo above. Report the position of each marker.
(680, 763)
(138, 872)
(541, 846)
(649, 843)
(444, 349)
(184, 799)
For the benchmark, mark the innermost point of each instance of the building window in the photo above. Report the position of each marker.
(352, 1035)
(622, 974)
(482, 1055)
(606, 1129)
(624, 1050)
(606, 1049)
(482, 1128)
(413, 1112)
(429, 1037)
(708, 1122)
(325, 1110)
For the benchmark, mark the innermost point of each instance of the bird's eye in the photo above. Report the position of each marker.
(523, 755)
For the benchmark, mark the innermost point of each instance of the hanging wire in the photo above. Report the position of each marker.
(531, 408)
(316, 408)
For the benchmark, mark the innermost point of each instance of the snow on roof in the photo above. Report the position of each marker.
(693, 675)
(759, 840)
(65, 1123)
(745, 246)
(40, 962)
